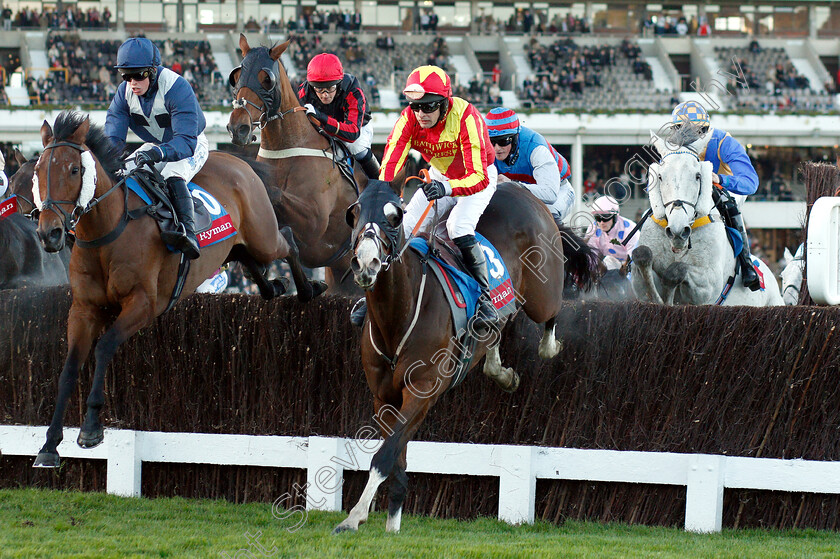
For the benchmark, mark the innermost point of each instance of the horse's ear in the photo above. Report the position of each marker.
(398, 182)
(659, 143)
(80, 135)
(277, 50)
(352, 214)
(19, 157)
(788, 255)
(46, 133)
(243, 44)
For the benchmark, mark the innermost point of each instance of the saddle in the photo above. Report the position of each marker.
(444, 259)
(156, 195)
(342, 158)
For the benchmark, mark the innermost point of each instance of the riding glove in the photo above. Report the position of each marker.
(148, 157)
(315, 116)
(436, 189)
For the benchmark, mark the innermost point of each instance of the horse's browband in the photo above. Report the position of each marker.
(699, 222)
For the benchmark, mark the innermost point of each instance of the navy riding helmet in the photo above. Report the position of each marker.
(138, 53)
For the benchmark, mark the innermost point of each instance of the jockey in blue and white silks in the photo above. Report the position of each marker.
(160, 107)
(731, 167)
(525, 156)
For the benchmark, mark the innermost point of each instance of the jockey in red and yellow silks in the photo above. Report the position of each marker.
(451, 135)
(458, 147)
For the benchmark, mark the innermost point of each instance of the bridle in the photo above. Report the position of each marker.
(679, 203)
(70, 219)
(386, 245)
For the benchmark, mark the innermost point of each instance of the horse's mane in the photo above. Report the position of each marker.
(67, 122)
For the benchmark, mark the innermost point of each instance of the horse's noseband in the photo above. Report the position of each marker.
(70, 218)
(384, 245)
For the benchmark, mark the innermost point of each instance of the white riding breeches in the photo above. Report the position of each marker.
(184, 168)
(461, 213)
(363, 142)
(562, 206)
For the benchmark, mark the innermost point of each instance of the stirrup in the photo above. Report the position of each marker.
(486, 315)
(749, 277)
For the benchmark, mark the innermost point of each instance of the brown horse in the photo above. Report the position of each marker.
(403, 338)
(121, 273)
(20, 183)
(308, 192)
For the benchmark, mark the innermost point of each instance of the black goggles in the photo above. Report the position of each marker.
(328, 89)
(427, 108)
(502, 141)
(136, 76)
(603, 218)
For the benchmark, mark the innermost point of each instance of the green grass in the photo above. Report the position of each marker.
(36, 523)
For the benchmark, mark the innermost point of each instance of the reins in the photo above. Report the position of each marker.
(72, 218)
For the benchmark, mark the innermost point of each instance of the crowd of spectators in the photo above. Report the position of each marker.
(564, 65)
(69, 17)
(527, 21)
(81, 71)
(632, 51)
(333, 21)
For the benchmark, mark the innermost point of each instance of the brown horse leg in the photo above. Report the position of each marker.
(413, 411)
(136, 312)
(306, 289)
(396, 494)
(83, 325)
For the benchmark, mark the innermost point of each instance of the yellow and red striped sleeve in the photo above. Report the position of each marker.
(396, 148)
(474, 143)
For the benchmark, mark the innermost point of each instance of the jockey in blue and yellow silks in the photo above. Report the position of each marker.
(525, 156)
(451, 136)
(732, 171)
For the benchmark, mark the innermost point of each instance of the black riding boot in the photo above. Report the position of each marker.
(183, 240)
(486, 314)
(358, 313)
(369, 163)
(732, 218)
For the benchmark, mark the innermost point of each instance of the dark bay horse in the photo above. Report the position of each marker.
(20, 183)
(308, 191)
(125, 278)
(23, 261)
(407, 345)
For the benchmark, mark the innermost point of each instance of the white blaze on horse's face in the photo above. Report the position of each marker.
(792, 279)
(367, 258)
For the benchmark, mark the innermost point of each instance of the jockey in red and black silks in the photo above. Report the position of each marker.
(525, 156)
(337, 102)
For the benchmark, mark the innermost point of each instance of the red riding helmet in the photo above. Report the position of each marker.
(428, 84)
(324, 70)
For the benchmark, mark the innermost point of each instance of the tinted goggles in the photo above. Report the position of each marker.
(134, 75)
(502, 140)
(603, 218)
(322, 90)
(427, 108)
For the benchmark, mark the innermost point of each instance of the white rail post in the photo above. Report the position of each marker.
(704, 494)
(124, 468)
(517, 485)
(324, 476)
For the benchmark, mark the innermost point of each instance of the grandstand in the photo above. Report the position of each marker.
(593, 78)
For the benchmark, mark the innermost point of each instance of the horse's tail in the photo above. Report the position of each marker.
(581, 259)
